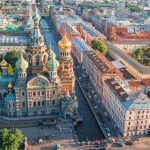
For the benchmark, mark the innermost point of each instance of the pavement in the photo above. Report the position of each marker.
(48, 136)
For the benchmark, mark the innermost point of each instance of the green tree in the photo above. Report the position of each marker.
(147, 62)
(11, 139)
(98, 45)
(11, 58)
(138, 54)
(10, 69)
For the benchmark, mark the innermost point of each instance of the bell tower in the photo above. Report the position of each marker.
(37, 52)
(65, 70)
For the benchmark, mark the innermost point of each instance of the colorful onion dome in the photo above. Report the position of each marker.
(10, 86)
(3, 63)
(64, 44)
(21, 63)
(52, 64)
(36, 16)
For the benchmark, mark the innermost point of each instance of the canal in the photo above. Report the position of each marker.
(88, 129)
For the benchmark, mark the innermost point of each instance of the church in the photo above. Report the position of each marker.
(41, 85)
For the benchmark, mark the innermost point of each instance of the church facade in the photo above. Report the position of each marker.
(41, 85)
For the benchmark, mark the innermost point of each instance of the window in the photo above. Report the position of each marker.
(38, 93)
(38, 103)
(128, 123)
(145, 121)
(147, 111)
(34, 93)
(144, 127)
(53, 102)
(128, 128)
(23, 104)
(34, 103)
(141, 122)
(54, 92)
(23, 94)
(140, 127)
(42, 93)
(13, 104)
(130, 112)
(142, 116)
(146, 116)
(138, 112)
(129, 117)
(143, 111)
(37, 60)
(43, 103)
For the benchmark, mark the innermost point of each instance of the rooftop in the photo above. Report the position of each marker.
(131, 101)
(102, 63)
(80, 44)
(92, 31)
(69, 29)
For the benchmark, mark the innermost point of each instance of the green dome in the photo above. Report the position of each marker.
(52, 64)
(21, 63)
(36, 17)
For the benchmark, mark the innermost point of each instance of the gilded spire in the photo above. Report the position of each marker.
(3, 63)
(10, 85)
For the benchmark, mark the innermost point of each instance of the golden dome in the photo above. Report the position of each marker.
(3, 63)
(10, 86)
(64, 44)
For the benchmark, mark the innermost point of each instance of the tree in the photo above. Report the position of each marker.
(11, 58)
(138, 54)
(10, 69)
(11, 139)
(98, 45)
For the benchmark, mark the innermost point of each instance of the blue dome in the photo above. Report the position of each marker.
(10, 97)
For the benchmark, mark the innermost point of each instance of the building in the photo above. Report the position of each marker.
(89, 33)
(129, 110)
(79, 47)
(40, 85)
(99, 68)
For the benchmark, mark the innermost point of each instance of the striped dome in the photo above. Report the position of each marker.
(36, 16)
(21, 64)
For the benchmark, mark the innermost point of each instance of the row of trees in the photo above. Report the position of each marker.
(134, 8)
(11, 139)
(98, 45)
(139, 56)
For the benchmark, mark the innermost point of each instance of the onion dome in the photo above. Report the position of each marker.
(36, 16)
(10, 97)
(51, 53)
(64, 44)
(3, 63)
(10, 86)
(21, 64)
(52, 64)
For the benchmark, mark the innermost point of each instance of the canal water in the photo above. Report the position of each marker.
(88, 129)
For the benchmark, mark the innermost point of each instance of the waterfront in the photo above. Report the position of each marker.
(88, 129)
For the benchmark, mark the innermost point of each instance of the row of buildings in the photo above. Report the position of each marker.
(123, 84)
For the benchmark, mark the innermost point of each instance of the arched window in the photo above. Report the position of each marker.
(44, 59)
(37, 60)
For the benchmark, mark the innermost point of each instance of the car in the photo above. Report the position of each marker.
(121, 144)
(129, 142)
